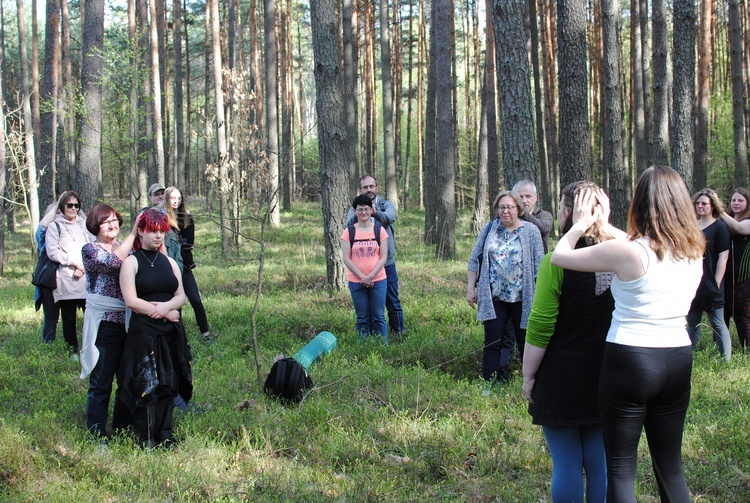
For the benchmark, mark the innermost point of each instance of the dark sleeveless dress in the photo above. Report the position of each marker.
(156, 362)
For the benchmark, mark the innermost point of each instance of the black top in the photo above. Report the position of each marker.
(709, 295)
(566, 392)
(187, 239)
(155, 280)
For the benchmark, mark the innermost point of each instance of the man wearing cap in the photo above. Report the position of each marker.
(156, 193)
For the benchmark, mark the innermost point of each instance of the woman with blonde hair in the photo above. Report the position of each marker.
(563, 357)
(647, 361)
(737, 279)
(501, 280)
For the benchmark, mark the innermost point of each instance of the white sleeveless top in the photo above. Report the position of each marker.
(650, 311)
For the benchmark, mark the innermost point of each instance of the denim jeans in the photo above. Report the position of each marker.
(109, 341)
(718, 328)
(191, 292)
(575, 450)
(392, 303)
(369, 304)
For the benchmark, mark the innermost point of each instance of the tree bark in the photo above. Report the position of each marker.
(738, 97)
(660, 151)
(48, 133)
(612, 142)
(221, 136)
(516, 109)
(547, 198)
(35, 113)
(287, 115)
(156, 73)
(445, 131)
(350, 65)
(575, 158)
(89, 180)
(700, 176)
(178, 97)
(430, 143)
(271, 99)
(28, 134)
(389, 147)
(67, 100)
(331, 136)
(683, 95)
(636, 79)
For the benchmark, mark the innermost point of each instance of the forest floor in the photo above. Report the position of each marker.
(409, 422)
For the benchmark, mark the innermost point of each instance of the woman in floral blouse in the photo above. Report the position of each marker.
(104, 320)
(502, 273)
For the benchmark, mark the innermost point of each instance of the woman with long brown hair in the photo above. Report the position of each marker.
(737, 278)
(647, 362)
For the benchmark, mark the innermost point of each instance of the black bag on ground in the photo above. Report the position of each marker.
(288, 381)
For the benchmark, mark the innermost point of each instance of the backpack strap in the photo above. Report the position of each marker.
(352, 232)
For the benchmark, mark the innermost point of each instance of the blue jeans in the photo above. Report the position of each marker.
(574, 450)
(369, 304)
(392, 303)
(718, 327)
(110, 341)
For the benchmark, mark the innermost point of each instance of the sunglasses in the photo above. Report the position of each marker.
(72, 205)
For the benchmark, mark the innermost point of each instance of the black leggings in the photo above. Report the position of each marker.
(499, 342)
(644, 387)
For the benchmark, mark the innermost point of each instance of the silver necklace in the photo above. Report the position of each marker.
(150, 261)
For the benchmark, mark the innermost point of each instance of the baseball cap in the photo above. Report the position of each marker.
(155, 187)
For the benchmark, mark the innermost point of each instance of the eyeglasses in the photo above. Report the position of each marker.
(506, 208)
(70, 206)
(363, 210)
(114, 222)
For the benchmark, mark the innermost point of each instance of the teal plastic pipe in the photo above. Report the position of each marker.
(321, 345)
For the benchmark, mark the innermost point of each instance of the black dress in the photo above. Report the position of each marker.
(156, 362)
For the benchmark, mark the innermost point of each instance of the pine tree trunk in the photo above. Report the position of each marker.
(89, 180)
(636, 88)
(179, 132)
(430, 143)
(575, 159)
(156, 73)
(221, 138)
(331, 135)
(389, 146)
(547, 199)
(683, 94)
(612, 141)
(660, 152)
(445, 131)
(350, 115)
(271, 99)
(738, 98)
(516, 110)
(700, 176)
(48, 133)
(67, 101)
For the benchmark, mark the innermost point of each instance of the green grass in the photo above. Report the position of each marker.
(383, 423)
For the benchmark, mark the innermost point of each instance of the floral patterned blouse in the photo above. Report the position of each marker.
(505, 254)
(103, 276)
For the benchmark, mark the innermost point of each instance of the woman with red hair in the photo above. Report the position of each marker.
(156, 364)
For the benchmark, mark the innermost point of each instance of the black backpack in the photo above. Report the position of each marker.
(287, 381)
(353, 231)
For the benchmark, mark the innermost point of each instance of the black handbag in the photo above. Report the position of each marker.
(45, 272)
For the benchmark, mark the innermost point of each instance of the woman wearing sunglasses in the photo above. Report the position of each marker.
(64, 242)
